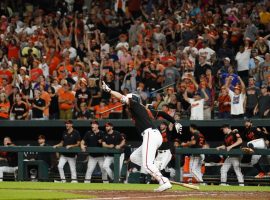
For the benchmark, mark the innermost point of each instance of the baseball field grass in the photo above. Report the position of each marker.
(48, 191)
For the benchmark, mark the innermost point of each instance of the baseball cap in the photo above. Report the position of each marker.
(109, 124)
(228, 59)
(69, 122)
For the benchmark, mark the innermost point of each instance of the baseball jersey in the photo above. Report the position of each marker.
(70, 139)
(199, 138)
(92, 139)
(196, 109)
(115, 138)
(231, 138)
(252, 134)
(140, 116)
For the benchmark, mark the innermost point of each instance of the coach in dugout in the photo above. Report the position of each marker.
(11, 159)
(71, 138)
(93, 138)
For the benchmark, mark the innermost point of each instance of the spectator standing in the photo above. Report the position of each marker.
(38, 106)
(93, 138)
(242, 58)
(71, 138)
(232, 140)
(19, 110)
(66, 101)
(171, 74)
(262, 108)
(237, 99)
(224, 104)
(53, 107)
(197, 104)
(4, 106)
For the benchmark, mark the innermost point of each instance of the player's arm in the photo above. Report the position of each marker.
(104, 144)
(221, 147)
(116, 94)
(60, 144)
(83, 146)
(188, 143)
(122, 144)
(77, 144)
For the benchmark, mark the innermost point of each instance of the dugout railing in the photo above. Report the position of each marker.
(181, 152)
(47, 149)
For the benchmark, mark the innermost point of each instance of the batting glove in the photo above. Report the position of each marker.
(178, 127)
(105, 87)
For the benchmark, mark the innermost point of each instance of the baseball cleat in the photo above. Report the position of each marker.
(164, 187)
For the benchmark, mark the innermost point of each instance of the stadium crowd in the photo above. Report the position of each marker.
(210, 58)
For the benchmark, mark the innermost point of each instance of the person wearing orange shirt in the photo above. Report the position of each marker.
(4, 107)
(45, 95)
(66, 102)
(117, 108)
(100, 110)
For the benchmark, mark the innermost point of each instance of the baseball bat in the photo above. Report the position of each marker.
(190, 186)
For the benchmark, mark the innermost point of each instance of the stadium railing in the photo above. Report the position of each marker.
(21, 149)
(180, 152)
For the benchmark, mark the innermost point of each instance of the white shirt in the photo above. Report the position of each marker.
(196, 109)
(243, 60)
(72, 52)
(237, 103)
(208, 52)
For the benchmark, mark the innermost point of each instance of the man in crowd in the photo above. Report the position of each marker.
(71, 138)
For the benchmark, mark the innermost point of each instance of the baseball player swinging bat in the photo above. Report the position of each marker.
(193, 187)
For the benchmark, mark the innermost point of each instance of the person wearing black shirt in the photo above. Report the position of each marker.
(93, 138)
(71, 138)
(82, 95)
(232, 140)
(255, 140)
(19, 108)
(10, 157)
(38, 106)
(197, 141)
(112, 139)
(144, 155)
(46, 157)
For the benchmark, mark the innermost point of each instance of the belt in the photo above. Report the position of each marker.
(163, 151)
(146, 130)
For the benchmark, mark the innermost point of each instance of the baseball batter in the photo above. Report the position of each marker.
(144, 155)
(232, 140)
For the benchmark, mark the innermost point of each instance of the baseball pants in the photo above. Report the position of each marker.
(72, 164)
(235, 162)
(91, 165)
(195, 165)
(144, 156)
(7, 169)
(107, 165)
(162, 159)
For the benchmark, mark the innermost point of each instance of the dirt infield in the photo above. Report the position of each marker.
(173, 195)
